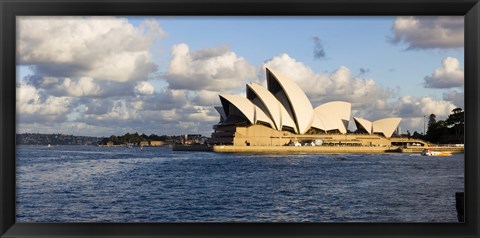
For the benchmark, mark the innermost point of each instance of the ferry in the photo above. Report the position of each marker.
(430, 152)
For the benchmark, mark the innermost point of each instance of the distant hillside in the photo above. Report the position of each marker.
(55, 139)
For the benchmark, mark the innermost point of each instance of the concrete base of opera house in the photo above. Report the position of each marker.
(303, 149)
(260, 135)
(314, 149)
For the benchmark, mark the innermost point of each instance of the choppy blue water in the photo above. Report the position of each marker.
(99, 184)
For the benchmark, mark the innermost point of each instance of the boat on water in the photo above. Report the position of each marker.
(431, 152)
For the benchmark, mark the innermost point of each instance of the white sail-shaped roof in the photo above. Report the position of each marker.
(262, 117)
(363, 124)
(220, 111)
(386, 126)
(261, 97)
(284, 106)
(286, 119)
(292, 98)
(332, 116)
(318, 123)
(327, 122)
(245, 107)
(265, 99)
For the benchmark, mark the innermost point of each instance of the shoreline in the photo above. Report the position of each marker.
(311, 149)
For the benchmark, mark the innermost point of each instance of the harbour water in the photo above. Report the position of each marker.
(101, 184)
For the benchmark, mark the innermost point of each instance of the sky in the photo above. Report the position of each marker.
(102, 76)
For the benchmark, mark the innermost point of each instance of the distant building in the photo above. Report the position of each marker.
(282, 113)
(157, 143)
(109, 143)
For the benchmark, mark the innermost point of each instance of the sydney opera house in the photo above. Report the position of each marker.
(281, 114)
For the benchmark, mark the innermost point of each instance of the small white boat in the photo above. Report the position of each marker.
(431, 152)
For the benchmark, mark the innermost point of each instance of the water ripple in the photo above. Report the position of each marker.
(93, 184)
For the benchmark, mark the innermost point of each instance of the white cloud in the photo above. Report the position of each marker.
(215, 69)
(81, 87)
(412, 125)
(456, 97)
(145, 88)
(413, 109)
(448, 76)
(440, 108)
(104, 48)
(90, 73)
(170, 115)
(428, 32)
(27, 94)
(205, 98)
(409, 106)
(202, 114)
(164, 100)
(118, 111)
(32, 106)
(94, 106)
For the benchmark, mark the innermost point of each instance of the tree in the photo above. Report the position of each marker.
(449, 131)
(456, 118)
(432, 120)
(417, 135)
(432, 127)
(456, 121)
(457, 110)
(114, 139)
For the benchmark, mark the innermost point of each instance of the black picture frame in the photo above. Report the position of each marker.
(11, 8)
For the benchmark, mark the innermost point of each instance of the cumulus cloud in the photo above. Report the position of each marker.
(97, 106)
(145, 88)
(440, 108)
(80, 87)
(165, 100)
(318, 49)
(176, 116)
(104, 48)
(90, 75)
(409, 106)
(85, 71)
(428, 32)
(412, 125)
(449, 75)
(76, 87)
(214, 69)
(165, 112)
(205, 98)
(118, 111)
(412, 110)
(456, 97)
(32, 106)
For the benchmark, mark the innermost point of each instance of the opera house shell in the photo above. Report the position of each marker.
(283, 110)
